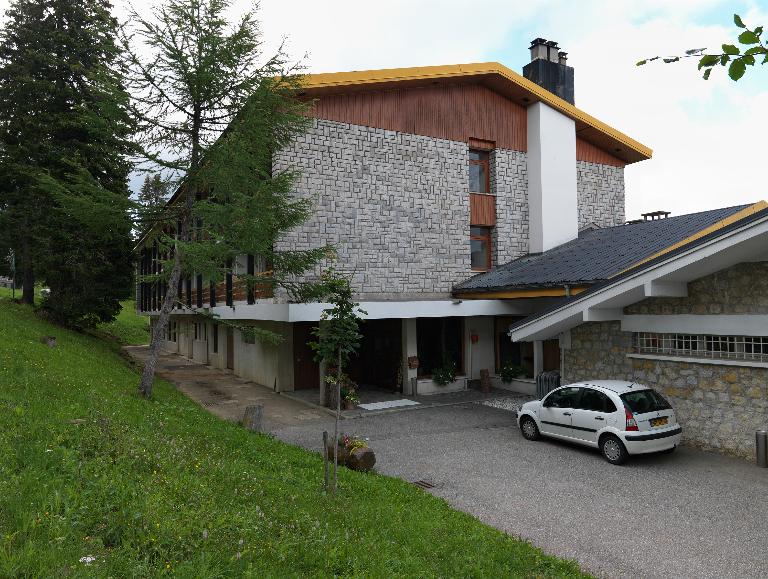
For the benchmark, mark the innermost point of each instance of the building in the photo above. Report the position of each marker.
(679, 304)
(424, 177)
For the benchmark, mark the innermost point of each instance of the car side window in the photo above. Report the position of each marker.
(596, 401)
(563, 398)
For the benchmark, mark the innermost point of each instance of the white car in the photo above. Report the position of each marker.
(620, 418)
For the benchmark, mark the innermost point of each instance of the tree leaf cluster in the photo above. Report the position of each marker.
(753, 49)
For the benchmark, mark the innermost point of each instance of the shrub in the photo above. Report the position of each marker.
(509, 372)
(445, 374)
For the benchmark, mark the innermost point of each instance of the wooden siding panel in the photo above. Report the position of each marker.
(482, 209)
(457, 112)
(586, 151)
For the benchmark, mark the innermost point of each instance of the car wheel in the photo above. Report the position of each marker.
(529, 429)
(613, 450)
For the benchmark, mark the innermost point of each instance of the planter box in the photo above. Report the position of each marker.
(428, 386)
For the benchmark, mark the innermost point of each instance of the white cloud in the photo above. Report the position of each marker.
(706, 135)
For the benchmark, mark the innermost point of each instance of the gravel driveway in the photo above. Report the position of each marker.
(688, 514)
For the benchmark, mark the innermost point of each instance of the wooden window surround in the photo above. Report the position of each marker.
(480, 247)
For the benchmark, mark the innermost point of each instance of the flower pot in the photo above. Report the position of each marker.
(349, 405)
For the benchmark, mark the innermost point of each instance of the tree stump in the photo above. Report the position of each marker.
(361, 459)
(253, 418)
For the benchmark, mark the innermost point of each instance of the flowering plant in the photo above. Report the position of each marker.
(351, 442)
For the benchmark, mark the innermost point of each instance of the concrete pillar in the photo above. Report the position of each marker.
(409, 349)
(538, 357)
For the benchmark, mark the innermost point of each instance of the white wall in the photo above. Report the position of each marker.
(482, 354)
(552, 187)
(266, 364)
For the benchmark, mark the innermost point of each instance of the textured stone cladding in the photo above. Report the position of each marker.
(741, 289)
(395, 205)
(509, 181)
(601, 194)
(719, 407)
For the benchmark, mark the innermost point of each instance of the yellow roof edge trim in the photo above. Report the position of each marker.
(738, 216)
(362, 77)
(519, 294)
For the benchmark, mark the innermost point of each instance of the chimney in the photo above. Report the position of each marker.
(549, 70)
(553, 211)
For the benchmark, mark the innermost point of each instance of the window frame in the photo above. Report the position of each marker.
(485, 162)
(489, 244)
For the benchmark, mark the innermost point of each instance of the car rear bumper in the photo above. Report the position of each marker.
(653, 441)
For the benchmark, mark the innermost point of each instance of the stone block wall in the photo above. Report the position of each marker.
(719, 407)
(741, 289)
(395, 205)
(601, 194)
(509, 181)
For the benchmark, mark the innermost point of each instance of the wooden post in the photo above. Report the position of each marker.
(252, 419)
(325, 460)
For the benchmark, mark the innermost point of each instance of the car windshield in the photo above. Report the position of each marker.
(642, 401)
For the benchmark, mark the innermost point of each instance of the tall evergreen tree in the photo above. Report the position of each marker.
(153, 191)
(215, 114)
(64, 145)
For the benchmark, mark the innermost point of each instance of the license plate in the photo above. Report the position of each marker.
(656, 422)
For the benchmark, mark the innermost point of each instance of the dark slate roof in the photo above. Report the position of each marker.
(596, 255)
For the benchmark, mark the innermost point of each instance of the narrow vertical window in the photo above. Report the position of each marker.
(215, 338)
(480, 248)
(479, 173)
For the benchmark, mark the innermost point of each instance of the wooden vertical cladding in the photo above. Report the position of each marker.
(458, 112)
(482, 209)
(586, 151)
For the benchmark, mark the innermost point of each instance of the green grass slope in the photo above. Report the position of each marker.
(88, 469)
(129, 328)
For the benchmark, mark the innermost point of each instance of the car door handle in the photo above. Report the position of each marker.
(566, 413)
(599, 418)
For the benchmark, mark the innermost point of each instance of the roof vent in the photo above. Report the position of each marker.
(549, 70)
(654, 215)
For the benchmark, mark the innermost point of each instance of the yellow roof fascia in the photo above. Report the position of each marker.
(738, 216)
(387, 75)
(520, 294)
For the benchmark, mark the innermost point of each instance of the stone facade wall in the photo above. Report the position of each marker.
(601, 194)
(719, 407)
(509, 181)
(395, 205)
(741, 289)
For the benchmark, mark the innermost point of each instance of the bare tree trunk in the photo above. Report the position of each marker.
(336, 425)
(160, 328)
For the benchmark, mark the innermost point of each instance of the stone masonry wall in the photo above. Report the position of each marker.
(509, 181)
(601, 194)
(741, 289)
(719, 407)
(395, 205)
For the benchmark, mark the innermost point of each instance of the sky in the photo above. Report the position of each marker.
(707, 136)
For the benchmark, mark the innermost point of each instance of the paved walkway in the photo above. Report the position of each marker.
(227, 395)
(687, 514)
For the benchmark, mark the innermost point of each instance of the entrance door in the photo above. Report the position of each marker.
(377, 362)
(306, 372)
(230, 348)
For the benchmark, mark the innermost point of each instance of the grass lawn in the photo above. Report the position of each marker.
(88, 469)
(129, 328)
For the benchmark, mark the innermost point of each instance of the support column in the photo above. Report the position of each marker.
(409, 349)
